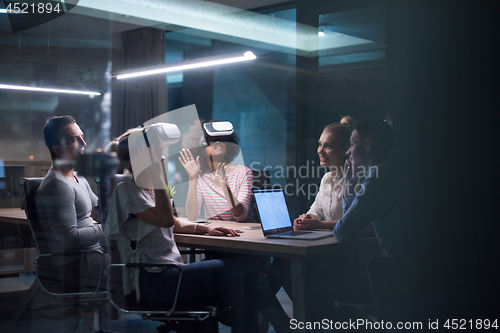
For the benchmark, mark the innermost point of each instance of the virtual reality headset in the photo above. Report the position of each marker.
(218, 128)
(217, 131)
(161, 135)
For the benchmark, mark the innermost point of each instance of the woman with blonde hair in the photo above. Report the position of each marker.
(326, 209)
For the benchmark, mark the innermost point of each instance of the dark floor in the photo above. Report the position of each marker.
(55, 315)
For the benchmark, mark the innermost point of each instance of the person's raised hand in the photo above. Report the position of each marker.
(190, 164)
(219, 176)
(351, 178)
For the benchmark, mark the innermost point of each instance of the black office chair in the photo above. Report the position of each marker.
(261, 179)
(175, 318)
(105, 187)
(389, 291)
(183, 319)
(49, 277)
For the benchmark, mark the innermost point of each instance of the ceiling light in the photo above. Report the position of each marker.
(188, 64)
(10, 11)
(81, 92)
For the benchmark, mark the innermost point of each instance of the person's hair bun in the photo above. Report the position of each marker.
(347, 120)
(113, 146)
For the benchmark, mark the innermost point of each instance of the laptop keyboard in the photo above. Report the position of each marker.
(291, 233)
(299, 233)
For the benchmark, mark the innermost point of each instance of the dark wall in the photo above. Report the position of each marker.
(442, 97)
(439, 87)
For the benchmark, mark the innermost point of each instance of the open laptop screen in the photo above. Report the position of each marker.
(272, 209)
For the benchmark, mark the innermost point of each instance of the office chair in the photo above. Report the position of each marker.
(389, 291)
(182, 319)
(105, 187)
(49, 278)
(261, 179)
(175, 318)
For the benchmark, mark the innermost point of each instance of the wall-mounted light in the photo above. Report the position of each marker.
(188, 64)
(65, 91)
(321, 32)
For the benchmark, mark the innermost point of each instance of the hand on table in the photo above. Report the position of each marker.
(190, 164)
(220, 231)
(306, 221)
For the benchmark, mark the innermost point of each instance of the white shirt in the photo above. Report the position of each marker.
(328, 203)
(154, 244)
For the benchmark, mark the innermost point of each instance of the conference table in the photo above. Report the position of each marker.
(15, 259)
(253, 242)
(299, 252)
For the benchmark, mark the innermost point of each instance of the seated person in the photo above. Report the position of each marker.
(225, 189)
(64, 203)
(141, 214)
(327, 207)
(373, 202)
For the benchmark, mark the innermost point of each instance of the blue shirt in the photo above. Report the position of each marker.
(373, 203)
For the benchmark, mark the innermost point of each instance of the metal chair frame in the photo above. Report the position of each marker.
(98, 296)
(169, 316)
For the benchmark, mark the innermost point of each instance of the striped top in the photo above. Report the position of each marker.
(215, 203)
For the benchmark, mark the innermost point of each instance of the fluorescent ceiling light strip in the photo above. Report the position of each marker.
(5, 11)
(189, 64)
(80, 92)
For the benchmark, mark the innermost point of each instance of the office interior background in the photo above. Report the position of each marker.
(428, 68)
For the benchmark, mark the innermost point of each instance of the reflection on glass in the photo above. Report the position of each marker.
(352, 38)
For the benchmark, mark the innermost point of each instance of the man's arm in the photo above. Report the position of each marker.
(363, 208)
(59, 202)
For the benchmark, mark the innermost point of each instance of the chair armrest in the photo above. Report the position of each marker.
(193, 252)
(62, 254)
(82, 252)
(159, 264)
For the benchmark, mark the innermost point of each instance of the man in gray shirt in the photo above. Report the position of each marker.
(64, 205)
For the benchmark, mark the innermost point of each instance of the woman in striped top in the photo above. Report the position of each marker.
(225, 189)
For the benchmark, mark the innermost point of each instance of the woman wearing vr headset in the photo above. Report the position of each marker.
(140, 211)
(224, 188)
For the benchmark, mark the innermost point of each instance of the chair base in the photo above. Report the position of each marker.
(209, 325)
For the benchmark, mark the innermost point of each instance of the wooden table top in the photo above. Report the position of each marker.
(13, 215)
(253, 241)
(250, 240)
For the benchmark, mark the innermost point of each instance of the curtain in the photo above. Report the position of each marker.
(137, 100)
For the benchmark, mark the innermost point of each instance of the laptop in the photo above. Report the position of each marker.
(274, 217)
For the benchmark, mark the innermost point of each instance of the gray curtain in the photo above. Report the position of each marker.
(137, 100)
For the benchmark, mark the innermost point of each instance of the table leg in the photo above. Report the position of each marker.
(298, 275)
